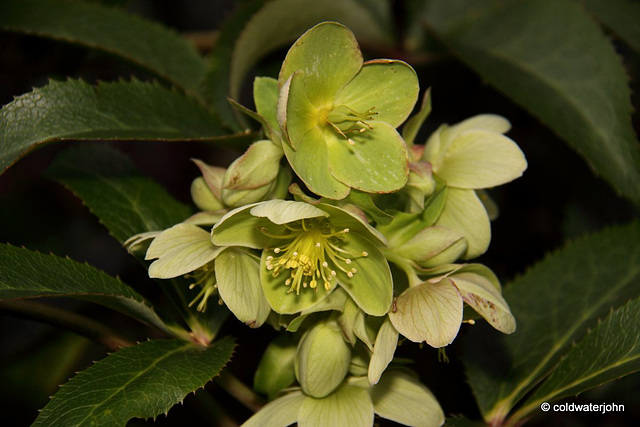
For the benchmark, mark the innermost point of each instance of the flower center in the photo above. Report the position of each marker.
(345, 121)
(206, 278)
(311, 255)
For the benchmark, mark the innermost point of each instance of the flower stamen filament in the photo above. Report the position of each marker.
(312, 255)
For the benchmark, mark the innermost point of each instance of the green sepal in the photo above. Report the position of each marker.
(275, 371)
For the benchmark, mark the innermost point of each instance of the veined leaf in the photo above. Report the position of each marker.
(28, 274)
(126, 202)
(75, 110)
(554, 304)
(621, 16)
(144, 43)
(143, 381)
(610, 351)
(281, 21)
(553, 59)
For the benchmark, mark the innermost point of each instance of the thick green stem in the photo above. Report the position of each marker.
(239, 391)
(405, 266)
(64, 319)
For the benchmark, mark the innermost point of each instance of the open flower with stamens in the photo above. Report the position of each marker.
(338, 116)
(308, 251)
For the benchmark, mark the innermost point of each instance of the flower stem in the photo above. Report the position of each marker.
(68, 320)
(239, 391)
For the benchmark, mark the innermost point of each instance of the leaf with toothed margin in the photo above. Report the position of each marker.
(109, 184)
(142, 381)
(28, 274)
(115, 111)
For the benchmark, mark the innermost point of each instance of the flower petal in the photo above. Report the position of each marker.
(286, 211)
(328, 55)
(310, 161)
(347, 406)
(433, 246)
(238, 281)
(281, 412)
(239, 228)
(477, 285)
(402, 398)
(465, 213)
(383, 351)
(377, 163)
(480, 159)
(389, 86)
(180, 250)
(371, 286)
(265, 96)
(430, 312)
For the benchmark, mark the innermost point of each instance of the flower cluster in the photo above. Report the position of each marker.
(302, 229)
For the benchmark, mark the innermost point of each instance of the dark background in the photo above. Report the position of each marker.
(557, 199)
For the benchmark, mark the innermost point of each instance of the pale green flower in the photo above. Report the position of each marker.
(338, 116)
(186, 250)
(309, 251)
(398, 396)
(472, 155)
(431, 310)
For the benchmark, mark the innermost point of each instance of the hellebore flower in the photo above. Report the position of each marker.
(186, 250)
(399, 397)
(338, 116)
(431, 310)
(308, 251)
(468, 156)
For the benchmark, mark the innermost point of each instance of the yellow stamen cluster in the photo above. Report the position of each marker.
(206, 278)
(311, 255)
(345, 120)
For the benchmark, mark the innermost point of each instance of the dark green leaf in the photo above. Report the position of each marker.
(75, 110)
(28, 274)
(610, 351)
(280, 22)
(554, 304)
(126, 202)
(111, 30)
(621, 16)
(553, 59)
(143, 381)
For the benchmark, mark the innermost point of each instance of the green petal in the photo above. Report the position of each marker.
(482, 295)
(480, 159)
(383, 351)
(286, 211)
(265, 96)
(180, 249)
(488, 122)
(296, 114)
(371, 287)
(277, 293)
(257, 167)
(310, 161)
(334, 301)
(377, 163)
(203, 197)
(328, 55)
(238, 281)
(347, 406)
(464, 212)
(431, 242)
(341, 218)
(430, 312)
(281, 412)
(212, 175)
(239, 228)
(389, 86)
(402, 398)
(322, 360)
